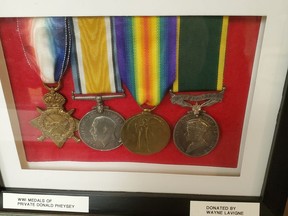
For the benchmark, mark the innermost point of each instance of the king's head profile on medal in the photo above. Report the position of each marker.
(195, 135)
(103, 132)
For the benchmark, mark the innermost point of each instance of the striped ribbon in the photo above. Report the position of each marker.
(201, 53)
(46, 45)
(94, 65)
(146, 52)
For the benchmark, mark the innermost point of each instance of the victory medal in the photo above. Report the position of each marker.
(145, 133)
(146, 51)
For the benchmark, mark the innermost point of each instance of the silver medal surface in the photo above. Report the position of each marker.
(101, 131)
(196, 136)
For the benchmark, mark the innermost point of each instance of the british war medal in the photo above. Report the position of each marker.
(96, 77)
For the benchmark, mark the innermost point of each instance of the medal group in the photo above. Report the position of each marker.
(151, 56)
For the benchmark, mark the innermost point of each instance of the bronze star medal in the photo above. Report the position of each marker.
(54, 122)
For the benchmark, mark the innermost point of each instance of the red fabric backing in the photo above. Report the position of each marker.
(28, 91)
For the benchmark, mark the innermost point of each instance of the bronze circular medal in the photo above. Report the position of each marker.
(196, 136)
(101, 131)
(145, 134)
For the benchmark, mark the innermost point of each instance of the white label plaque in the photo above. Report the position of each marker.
(46, 202)
(199, 208)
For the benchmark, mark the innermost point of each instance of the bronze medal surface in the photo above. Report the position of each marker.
(145, 134)
(196, 136)
(55, 123)
(101, 131)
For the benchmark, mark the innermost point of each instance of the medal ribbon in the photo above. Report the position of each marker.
(146, 52)
(201, 53)
(46, 44)
(94, 67)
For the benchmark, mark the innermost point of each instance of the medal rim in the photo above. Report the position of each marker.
(201, 114)
(146, 113)
(101, 114)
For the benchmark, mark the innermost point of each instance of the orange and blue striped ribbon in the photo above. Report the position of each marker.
(94, 65)
(201, 53)
(46, 44)
(146, 53)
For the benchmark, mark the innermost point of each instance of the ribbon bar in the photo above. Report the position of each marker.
(211, 98)
(96, 96)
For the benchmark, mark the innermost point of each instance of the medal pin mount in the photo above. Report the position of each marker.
(99, 98)
(196, 134)
(100, 128)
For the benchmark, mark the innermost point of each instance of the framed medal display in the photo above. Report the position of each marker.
(133, 101)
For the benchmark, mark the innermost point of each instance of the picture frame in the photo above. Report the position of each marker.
(259, 171)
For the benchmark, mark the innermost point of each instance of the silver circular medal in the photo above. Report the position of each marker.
(101, 130)
(196, 136)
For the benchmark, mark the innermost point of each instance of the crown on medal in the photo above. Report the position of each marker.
(54, 99)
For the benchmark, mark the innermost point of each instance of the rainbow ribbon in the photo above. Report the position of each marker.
(94, 65)
(146, 53)
(46, 45)
(201, 53)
